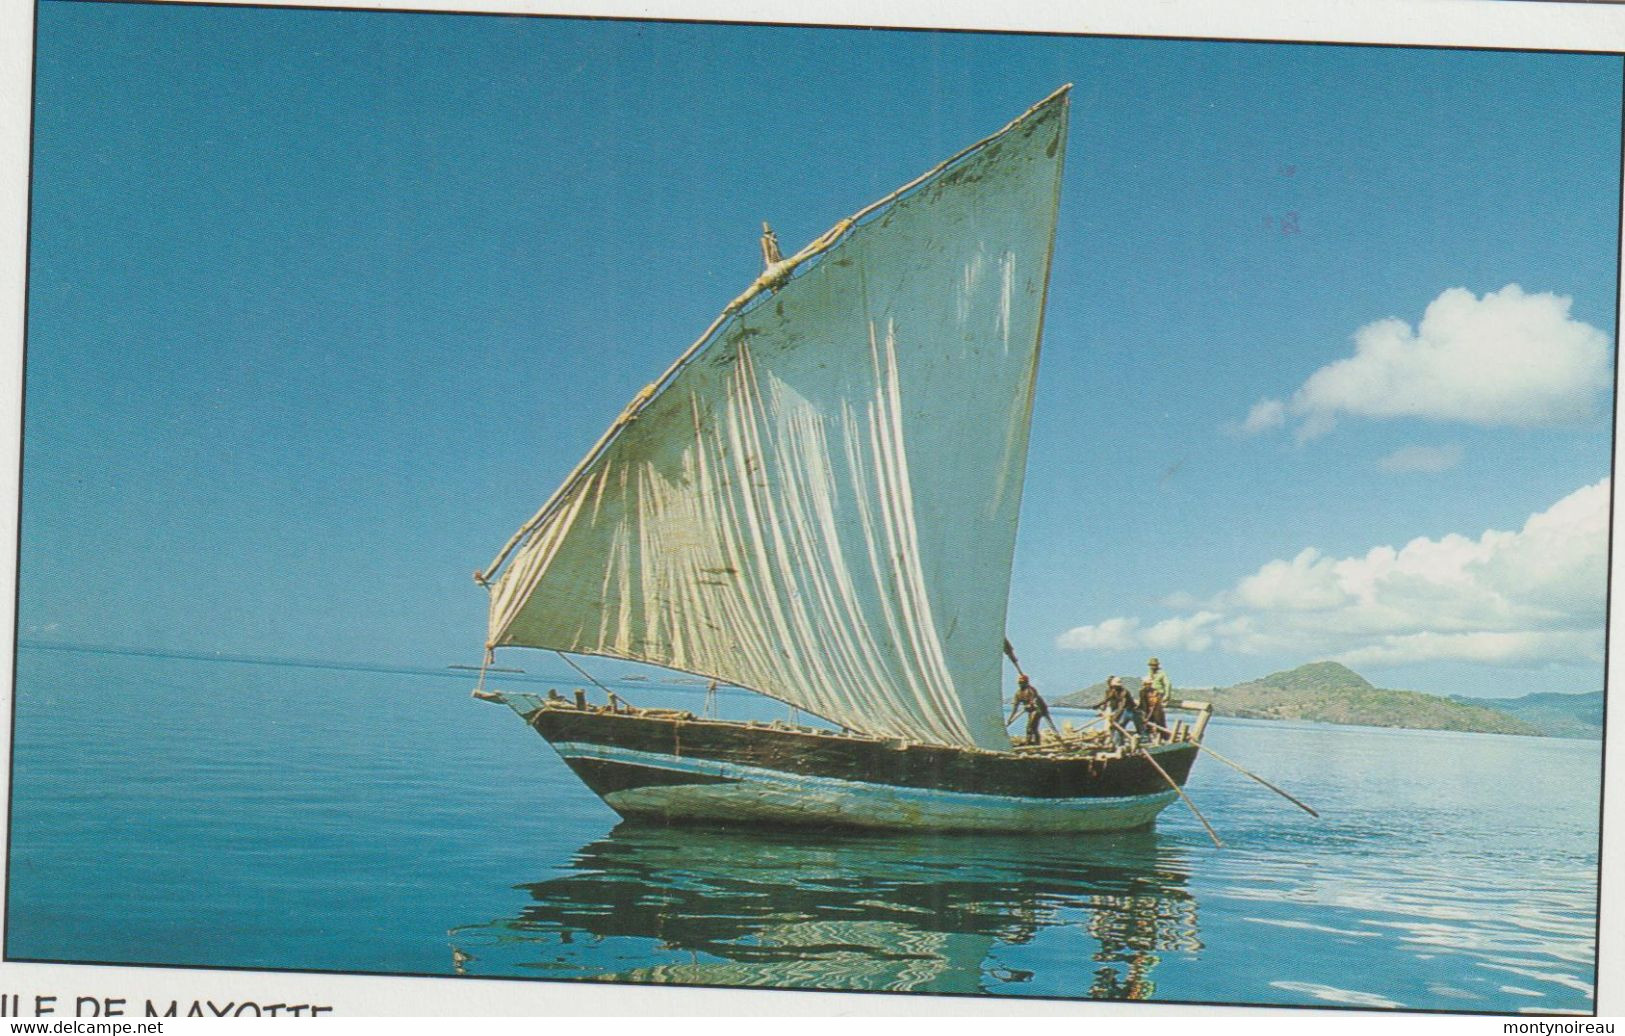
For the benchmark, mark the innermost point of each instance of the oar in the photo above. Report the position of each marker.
(1247, 773)
(1174, 785)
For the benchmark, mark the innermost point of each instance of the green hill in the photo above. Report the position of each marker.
(1327, 692)
(1558, 715)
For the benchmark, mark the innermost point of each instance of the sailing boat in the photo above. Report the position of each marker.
(817, 501)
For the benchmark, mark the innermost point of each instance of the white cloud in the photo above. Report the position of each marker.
(1509, 358)
(1265, 414)
(1111, 635)
(1306, 583)
(1190, 633)
(1421, 460)
(1492, 648)
(1530, 596)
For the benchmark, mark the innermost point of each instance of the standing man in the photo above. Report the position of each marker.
(1027, 697)
(1150, 715)
(1164, 688)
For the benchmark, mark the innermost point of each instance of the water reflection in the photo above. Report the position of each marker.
(921, 914)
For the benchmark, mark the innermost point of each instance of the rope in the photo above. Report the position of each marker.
(583, 672)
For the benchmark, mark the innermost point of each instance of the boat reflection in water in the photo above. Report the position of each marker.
(851, 912)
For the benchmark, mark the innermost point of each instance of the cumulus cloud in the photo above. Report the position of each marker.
(1511, 597)
(1421, 460)
(1111, 635)
(1189, 632)
(1508, 358)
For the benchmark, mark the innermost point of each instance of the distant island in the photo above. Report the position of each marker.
(1328, 692)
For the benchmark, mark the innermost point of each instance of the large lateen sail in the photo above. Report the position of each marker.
(819, 500)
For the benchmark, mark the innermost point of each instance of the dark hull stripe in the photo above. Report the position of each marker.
(925, 767)
(605, 777)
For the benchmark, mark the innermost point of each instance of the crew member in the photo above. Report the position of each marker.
(1151, 715)
(1164, 687)
(1117, 707)
(1028, 698)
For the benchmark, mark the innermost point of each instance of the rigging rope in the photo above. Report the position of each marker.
(583, 672)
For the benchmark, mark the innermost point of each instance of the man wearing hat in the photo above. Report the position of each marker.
(1117, 708)
(1027, 697)
(1162, 692)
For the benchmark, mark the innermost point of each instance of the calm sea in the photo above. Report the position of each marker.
(182, 812)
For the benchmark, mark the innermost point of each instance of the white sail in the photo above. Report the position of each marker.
(819, 501)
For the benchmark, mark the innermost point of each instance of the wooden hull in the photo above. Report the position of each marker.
(678, 769)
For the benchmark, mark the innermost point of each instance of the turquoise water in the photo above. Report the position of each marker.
(177, 811)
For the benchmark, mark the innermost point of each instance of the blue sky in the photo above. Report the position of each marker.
(323, 304)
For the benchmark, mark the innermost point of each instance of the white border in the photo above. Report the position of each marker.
(1477, 23)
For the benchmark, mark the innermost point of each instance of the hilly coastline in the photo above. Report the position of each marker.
(1328, 692)
(1558, 715)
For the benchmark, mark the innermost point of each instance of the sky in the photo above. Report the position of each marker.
(322, 305)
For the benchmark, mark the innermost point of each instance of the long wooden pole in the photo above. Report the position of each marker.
(1010, 653)
(1175, 785)
(1248, 773)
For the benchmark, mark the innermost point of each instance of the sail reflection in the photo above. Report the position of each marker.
(847, 912)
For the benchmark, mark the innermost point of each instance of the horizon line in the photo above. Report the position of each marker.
(457, 670)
